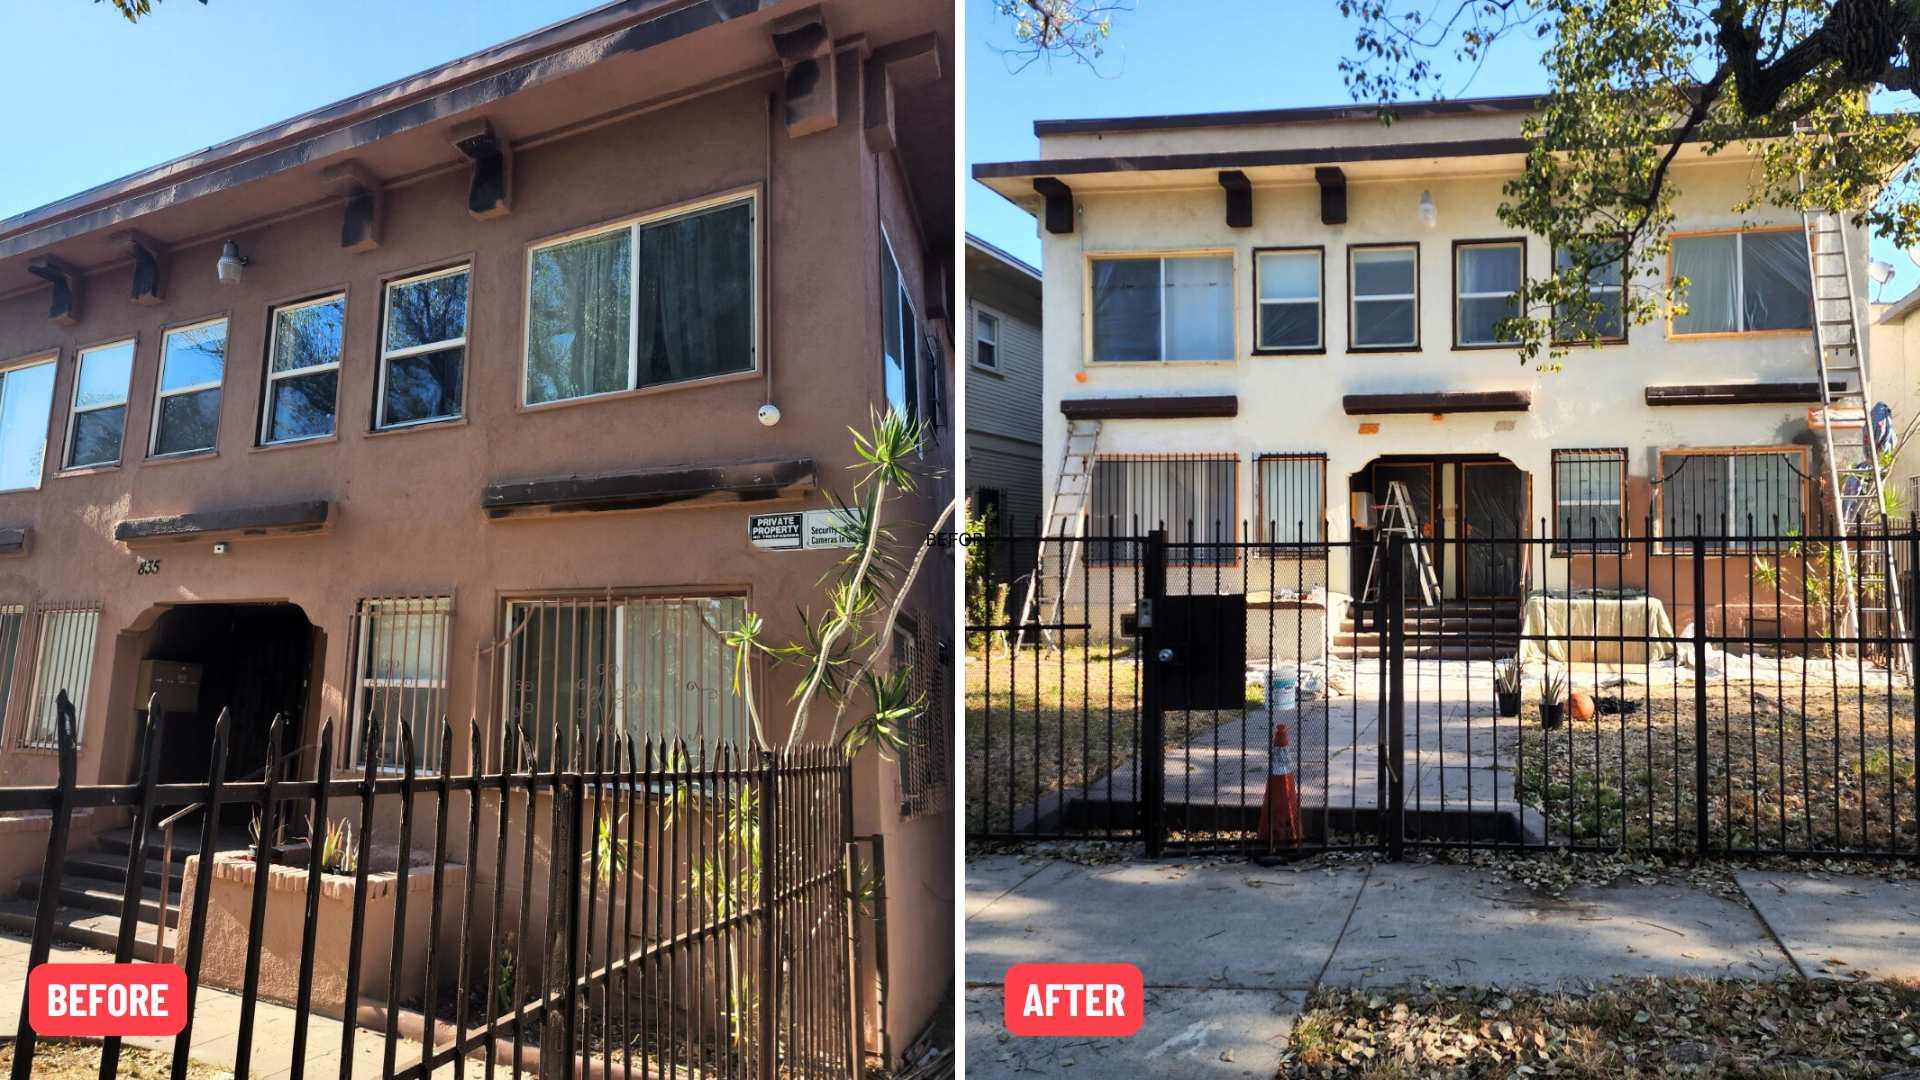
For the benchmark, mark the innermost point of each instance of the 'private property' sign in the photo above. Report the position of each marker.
(809, 530)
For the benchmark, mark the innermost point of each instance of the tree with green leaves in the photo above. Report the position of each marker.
(1630, 83)
(1043, 29)
(134, 10)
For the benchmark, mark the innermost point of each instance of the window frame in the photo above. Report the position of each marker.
(1260, 461)
(1726, 546)
(1626, 266)
(30, 738)
(1230, 544)
(1740, 279)
(1353, 299)
(269, 378)
(74, 410)
(1460, 247)
(1258, 304)
(365, 613)
(1568, 547)
(160, 395)
(384, 355)
(910, 365)
(980, 313)
(632, 223)
(32, 360)
(1088, 260)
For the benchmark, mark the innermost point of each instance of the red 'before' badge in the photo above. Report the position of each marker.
(1075, 999)
(97, 1000)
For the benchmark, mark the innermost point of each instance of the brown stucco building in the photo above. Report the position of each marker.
(496, 355)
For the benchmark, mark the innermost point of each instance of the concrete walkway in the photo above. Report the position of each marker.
(1230, 950)
(216, 1024)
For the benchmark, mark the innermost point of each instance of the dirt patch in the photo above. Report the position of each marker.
(72, 1059)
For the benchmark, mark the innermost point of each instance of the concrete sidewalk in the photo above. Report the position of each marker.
(1231, 950)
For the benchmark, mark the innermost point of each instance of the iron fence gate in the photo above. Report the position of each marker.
(1710, 697)
(708, 926)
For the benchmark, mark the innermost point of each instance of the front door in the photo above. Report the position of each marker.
(1493, 507)
(1421, 492)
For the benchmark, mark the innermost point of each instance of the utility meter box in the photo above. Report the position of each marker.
(177, 684)
(1208, 639)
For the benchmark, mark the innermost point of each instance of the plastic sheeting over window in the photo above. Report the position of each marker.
(1743, 282)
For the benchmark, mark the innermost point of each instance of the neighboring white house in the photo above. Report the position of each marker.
(1895, 345)
(1004, 390)
(1273, 312)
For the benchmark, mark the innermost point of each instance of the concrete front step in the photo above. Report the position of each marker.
(104, 897)
(79, 927)
(100, 866)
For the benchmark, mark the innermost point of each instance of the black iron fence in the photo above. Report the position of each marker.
(655, 911)
(1659, 693)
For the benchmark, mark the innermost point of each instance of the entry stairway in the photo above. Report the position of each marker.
(92, 888)
(1449, 630)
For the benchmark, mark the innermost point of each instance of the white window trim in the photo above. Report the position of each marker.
(633, 225)
(75, 409)
(380, 379)
(909, 365)
(982, 312)
(273, 377)
(1261, 303)
(1355, 299)
(1459, 297)
(37, 360)
(160, 395)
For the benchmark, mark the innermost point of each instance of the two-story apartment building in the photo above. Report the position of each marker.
(1003, 387)
(456, 398)
(1274, 315)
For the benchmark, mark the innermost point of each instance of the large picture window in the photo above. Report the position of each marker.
(99, 405)
(400, 677)
(186, 408)
(65, 663)
(1486, 280)
(662, 299)
(900, 336)
(1287, 288)
(26, 408)
(1193, 497)
(1383, 284)
(650, 667)
(1743, 282)
(1293, 497)
(1589, 500)
(1148, 309)
(423, 349)
(1737, 499)
(303, 370)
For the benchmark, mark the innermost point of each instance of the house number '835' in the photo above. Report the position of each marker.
(147, 566)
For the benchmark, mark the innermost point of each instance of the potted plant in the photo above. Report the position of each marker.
(1506, 685)
(1553, 698)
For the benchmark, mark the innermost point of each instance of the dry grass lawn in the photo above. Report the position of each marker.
(75, 1059)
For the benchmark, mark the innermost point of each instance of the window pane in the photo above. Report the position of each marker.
(1490, 269)
(677, 671)
(1192, 498)
(424, 386)
(1766, 490)
(1126, 309)
(1707, 262)
(696, 295)
(423, 312)
(1479, 316)
(103, 376)
(561, 667)
(66, 664)
(1289, 326)
(1290, 275)
(12, 622)
(307, 337)
(188, 422)
(302, 406)
(1778, 293)
(1599, 274)
(96, 437)
(1693, 495)
(26, 406)
(193, 357)
(1379, 272)
(1199, 309)
(1293, 498)
(581, 313)
(1587, 495)
(1378, 323)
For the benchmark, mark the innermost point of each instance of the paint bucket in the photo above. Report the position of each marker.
(1283, 692)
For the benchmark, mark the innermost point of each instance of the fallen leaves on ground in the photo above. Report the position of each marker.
(1644, 1028)
(73, 1059)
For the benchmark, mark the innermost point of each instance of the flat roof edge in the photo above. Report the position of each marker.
(1311, 114)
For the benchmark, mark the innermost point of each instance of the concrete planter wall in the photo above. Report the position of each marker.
(224, 956)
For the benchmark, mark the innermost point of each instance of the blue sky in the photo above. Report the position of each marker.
(1247, 54)
(97, 98)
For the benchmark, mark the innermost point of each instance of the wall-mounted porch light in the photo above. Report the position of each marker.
(1429, 215)
(230, 264)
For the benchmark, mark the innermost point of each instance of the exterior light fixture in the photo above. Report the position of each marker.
(769, 414)
(1429, 216)
(230, 264)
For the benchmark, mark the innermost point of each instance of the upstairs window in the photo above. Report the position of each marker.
(663, 299)
(1486, 279)
(900, 337)
(303, 370)
(186, 409)
(1606, 321)
(26, 408)
(99, 405)
(986, 340)
(1744, 282)
(423, 349)
(1384, 285)
(1172, 308)
(1287, 286)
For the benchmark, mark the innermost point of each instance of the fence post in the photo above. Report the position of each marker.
(137, 867)
(1394, 595)
(1700, 695)
(1153, 750)
(556, 1028)
(59, 824)
(769, 925)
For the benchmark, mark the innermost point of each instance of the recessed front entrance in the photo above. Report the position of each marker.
(1476, 496)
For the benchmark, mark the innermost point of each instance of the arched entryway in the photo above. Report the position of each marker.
(1481, 497)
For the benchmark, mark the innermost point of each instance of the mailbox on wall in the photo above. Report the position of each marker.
(1204, 641)
(177, 684)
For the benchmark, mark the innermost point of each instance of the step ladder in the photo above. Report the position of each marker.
(1866, 567)
(1398, 519)
(1068, 511)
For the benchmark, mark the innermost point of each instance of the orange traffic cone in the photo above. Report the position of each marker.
(1280, 814)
